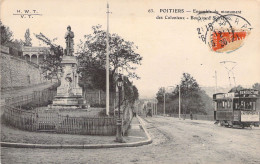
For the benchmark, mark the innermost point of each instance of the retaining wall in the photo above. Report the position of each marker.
(16, 72)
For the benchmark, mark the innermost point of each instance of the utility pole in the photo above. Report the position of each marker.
(179, 101)
(107, 64)
(164, 102)
(215, 88)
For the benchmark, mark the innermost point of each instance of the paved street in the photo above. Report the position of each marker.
(174, 141)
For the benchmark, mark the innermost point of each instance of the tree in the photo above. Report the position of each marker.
(193, 99)
(136, 93)
(190, 94)
(92, 54)
(160, 95)
(28, 40)
(237, 88)
(130, 91)
(6, 34)
(256, 86)
(52, 62)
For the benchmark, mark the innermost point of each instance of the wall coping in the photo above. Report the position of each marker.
(18, 59)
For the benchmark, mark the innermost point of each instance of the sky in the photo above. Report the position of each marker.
(169, 47)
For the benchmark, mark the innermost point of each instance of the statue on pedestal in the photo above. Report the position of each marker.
(69, 93)
(69, 42)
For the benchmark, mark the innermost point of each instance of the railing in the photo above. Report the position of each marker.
(84, 125)
(36, 97)
(52, 121)
(21, 119)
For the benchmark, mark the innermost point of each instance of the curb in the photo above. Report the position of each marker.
(92, 146)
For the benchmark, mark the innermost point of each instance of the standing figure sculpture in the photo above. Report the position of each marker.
(69, 42)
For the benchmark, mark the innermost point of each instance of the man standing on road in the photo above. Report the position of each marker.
(191, 117)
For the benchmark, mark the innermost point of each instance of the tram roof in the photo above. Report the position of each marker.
(245, 93)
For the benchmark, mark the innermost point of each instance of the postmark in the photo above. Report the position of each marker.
(226, 33)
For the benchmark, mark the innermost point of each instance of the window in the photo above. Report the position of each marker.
(229, 103)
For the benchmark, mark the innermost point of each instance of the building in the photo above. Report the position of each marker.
(35, 54)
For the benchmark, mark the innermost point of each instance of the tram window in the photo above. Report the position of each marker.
(254, 107)
(229, 104)
(250, 105)
(242, 104)
(220, 104)
(236, 105)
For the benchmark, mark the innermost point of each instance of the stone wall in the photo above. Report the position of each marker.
(16, 72)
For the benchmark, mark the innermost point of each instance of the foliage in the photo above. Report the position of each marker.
(52, 63)
(160, 95)
(130, 91)
(6, 34)
(27, 38)
(256, 86)
(136, 93)
(193, 99)
(191, 95)
(237, 88)
(92, 56)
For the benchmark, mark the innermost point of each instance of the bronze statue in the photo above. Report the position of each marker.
(69, 42)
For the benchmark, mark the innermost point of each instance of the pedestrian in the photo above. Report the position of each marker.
(191, 117)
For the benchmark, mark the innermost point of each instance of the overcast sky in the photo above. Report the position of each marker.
(168, 47)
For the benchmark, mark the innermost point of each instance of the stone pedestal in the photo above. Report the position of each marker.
(69, 93)
(119, 137)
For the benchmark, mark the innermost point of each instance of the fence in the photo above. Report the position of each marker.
(38, 97)
(21, 119)
(84, 125)
(98, 97)
(52, 121)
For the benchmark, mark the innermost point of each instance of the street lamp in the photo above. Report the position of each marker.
(119, 137)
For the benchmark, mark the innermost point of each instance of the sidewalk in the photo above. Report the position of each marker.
(136, 136)
(135, 131)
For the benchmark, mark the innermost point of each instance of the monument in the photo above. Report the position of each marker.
(69, 93)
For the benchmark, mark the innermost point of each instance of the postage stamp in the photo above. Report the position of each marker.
(226, 33)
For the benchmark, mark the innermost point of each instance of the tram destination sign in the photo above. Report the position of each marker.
(248, 93)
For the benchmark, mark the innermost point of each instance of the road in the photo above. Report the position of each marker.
(174, 141)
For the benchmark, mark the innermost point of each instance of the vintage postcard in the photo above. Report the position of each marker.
(148, 81)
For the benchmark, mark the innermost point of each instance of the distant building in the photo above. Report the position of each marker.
(35, 54)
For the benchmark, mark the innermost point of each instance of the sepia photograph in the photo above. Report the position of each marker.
(130, 81)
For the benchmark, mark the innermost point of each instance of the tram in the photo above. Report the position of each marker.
(237, 108)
